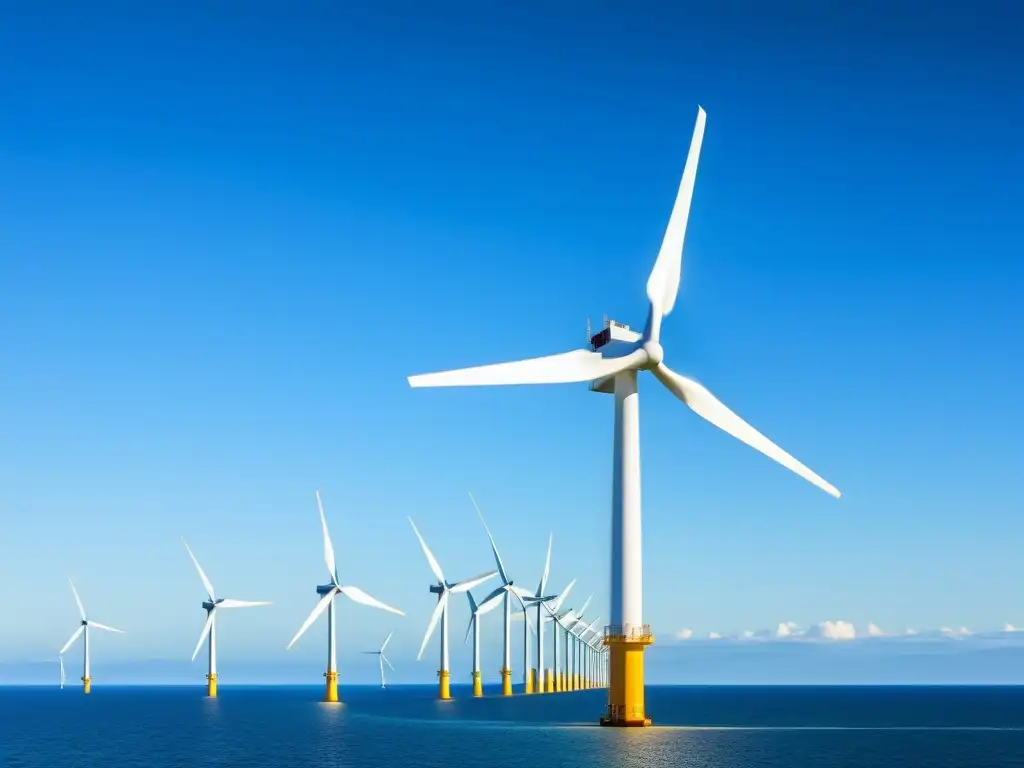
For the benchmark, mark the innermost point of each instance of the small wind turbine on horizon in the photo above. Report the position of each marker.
(383, 659)
(505, 591)
(83, 629)
(443, 588)
(612, 363)
(211, 605)
(60, 658)
(327, 594)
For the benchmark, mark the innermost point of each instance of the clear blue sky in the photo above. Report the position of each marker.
(228, 236)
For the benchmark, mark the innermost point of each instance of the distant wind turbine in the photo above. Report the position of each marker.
(382, 658)
(84, 630)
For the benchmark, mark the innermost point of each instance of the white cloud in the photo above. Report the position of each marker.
(1010, 628)
(714, 636)
(875, 631)
(788, 629)
(833, 630)
(747, 634)
(684, 634)
(910, 632)
(959, 632)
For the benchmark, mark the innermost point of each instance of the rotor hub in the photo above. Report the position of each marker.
(655, 353)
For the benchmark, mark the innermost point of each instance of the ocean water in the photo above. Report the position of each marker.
(711, 727)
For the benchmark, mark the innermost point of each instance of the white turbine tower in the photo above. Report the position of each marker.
(565, 621)
(551, 607)
(475, 612)
(84, 630)
(504, 592)
(443, 588)
(383, 659)
(327, 594)
(612, 364)
(61, 660)
(535, 683)
(212, 605)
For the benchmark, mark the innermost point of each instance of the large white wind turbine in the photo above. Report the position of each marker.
(504, 592)
(84, 630)
(443, 588)
(475, 612)
(383, 659)
(327, 594)
(211, 606)
(612, 363)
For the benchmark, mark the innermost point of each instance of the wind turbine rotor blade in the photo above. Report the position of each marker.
(468, 584)
(386, 641)
(434, 618)
(69, 643)
(663, 283)
(434, 565)
(494, 547)
(105, 627)
(78, 600)
(524, 613)
(522, 594)
(202, 575)
(229, 603)
(561, 597)
(565, 368)
(385, 660)
(708, 407)
(584, 608)
(207, 626)
(491, 601)
(356, 595)
(320, 608)
(547, 566)
(328, 547)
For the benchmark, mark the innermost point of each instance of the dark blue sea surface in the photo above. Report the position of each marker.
(712, 727)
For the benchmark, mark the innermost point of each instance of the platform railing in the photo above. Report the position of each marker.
(627, 632)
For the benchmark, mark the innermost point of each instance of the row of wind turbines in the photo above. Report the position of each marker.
(610, 364)
(580, 664)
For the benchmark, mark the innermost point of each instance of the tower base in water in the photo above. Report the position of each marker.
(529, 681)
(626, 708)
(444, 691)
(550, 681)
(331, 694)
(478, 687)
(506, 682)
(86, 684)
(211, 685)
(626, 677)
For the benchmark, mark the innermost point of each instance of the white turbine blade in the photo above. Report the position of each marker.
(229, 603)
(522, 593)
(320, 608)
(468, 584)
(207, 626)
(524, 613)
(434, 565)
(104, 626)
(356, 595)
(434, 618)
(78, 600)
(69, 643)
(663, 284)
(708, 407)
(385, 659)
(491, 601)
(584, 608)
(494, 547)
(328, 547)
(561, 597)
(202, 575)
(565, 368)
(547, 567)
(533, 599)
(386, 641)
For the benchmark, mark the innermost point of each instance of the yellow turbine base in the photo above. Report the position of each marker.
(538, 684)
(444, 691)
(86, 684)
(478, 688)
(211, 685)
(528, 688)
(575, 682)
(626, 681)
(331, 694)
(550, 681)
(506, 682)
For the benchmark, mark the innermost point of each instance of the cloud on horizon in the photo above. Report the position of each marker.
(844, 631)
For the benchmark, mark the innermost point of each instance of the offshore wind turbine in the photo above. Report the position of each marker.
(211, 605)
(383, 659)
(537, 681)
(327, 594)
(475, 612)
(552, 608)
(612, 363)
(61, 660)
(565, 622)
(580, 658)
(83, 629)
(443, 588)
(507, 589)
